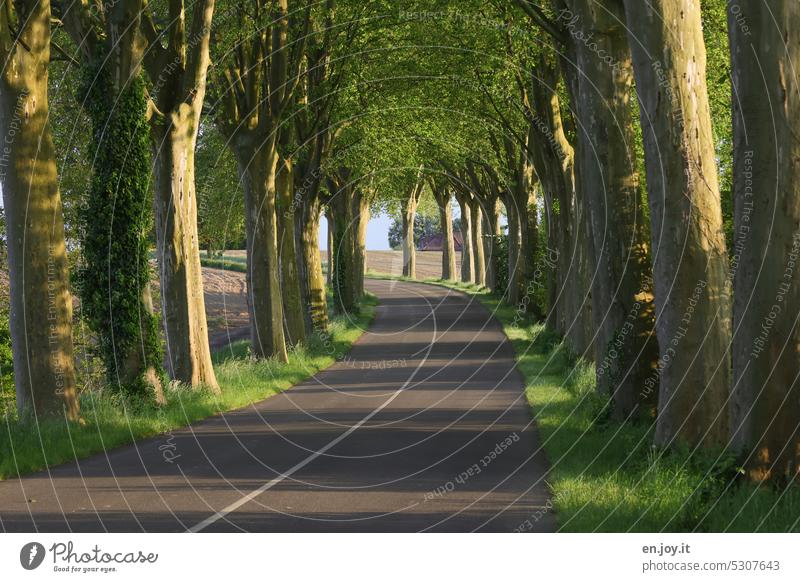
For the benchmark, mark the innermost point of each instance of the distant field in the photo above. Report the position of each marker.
(429, 263)
(226, 297)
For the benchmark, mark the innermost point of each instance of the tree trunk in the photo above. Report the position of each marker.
(467, 260)
(524, 200)
(182, 302)
(40, 300)
(577, 255)
(115, 222)
(551, 261)
(294, 317)
(361, 217)
(175, 119)
(257, 170)
(492, 224)
(409, 210)
(690, 270)
(316, 297)
(554, 160)
(626, 350)
(580, 332)
(477, 242)
(446, 219)
(329, 221)
(513, 259)
(343, 257)
(765, 409)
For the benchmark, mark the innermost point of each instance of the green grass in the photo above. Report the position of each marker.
(606, 476)
(237, 264)
(26, 445)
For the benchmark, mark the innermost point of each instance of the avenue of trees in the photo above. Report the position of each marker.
(624, 172)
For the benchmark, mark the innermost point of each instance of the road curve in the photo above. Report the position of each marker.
(423, 426)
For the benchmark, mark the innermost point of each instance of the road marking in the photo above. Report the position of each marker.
(270, 484)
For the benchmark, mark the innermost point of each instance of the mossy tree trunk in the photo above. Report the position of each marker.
(553, 158)
(523, 195)
(329, 245)
(476, 212)
(307, 207)
(513, 258)
(361, 215)
(490, 240)
(690, 267)
(467, 259)
(293, 309)
(40, 300)
(409, 215)
(343, 280)
(260, 81)
(765, 410)
(182, 300)
(177, 100)
(442, 196)
(316, 297)
(626, 349)
(257, 163)
(114, 278)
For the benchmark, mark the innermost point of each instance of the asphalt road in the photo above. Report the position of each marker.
(423, 426)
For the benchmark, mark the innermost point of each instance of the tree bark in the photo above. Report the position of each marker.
(467, 260)
(476, 213)
(329, 249)
(40, 300)
(361, 215)
(765, 410)
(524, 201)
(257, 163)
(316, 297)
(492, 224)
(442, 196)
(177, 103)
(182, 301)
(409, 211)
(512, 214)
(114, 250)
(261, 77)
(626, 350)
(294, 317)
(551, 259)
(690, 268)
(343, 246)
(553, 158)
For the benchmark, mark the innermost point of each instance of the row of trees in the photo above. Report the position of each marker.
(609, 151)
(650, 223)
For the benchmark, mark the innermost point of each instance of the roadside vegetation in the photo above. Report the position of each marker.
(610, 195)
(110, 419)
(224, 262)
(606, 475)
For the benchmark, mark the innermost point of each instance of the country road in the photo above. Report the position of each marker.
(422, 427)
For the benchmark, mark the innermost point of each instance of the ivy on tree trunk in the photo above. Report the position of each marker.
(114, 277)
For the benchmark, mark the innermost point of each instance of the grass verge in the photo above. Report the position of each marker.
(226, 264)
(110, 421)
(607, 476)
